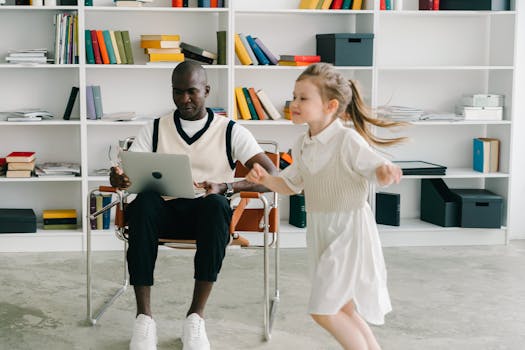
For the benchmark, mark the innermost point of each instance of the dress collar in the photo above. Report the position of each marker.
(326, 135)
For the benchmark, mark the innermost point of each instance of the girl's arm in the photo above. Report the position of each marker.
(388, 173)
(260, 176)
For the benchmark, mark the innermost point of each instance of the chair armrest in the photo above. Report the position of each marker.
(107, 189)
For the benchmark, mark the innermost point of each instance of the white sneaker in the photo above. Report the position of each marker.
(194, 334)
(144, 334)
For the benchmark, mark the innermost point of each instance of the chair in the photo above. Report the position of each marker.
(245, 218)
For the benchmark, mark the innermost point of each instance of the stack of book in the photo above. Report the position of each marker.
(197, 53)
(253, 105)
(128, 3)
(66, 38)
(219, 111)
(29, 115)
(96, 203)
(60, 219)
(298, 60)
(20, 164)
(108, 47)
(252, 51)
(481, 107)
(27, 56)
(485, 154)
(332, 4)
(94, 108)
(162, 47)
(57, 169)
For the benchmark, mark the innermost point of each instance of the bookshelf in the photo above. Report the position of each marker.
(424, 59)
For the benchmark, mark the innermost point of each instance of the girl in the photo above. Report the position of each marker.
(334, 165)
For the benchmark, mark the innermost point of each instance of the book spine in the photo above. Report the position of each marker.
(251, 108)
(106, 216)
(269, 55)
(197, 57)
(248, 49)
(90, 103)
(221, 47)
(120, 47)
(109, 47)
(241, 52)
(96, 48)
(127, 46)
(70, 102)
(102, 47)
(257, 104)
(97, 98)
(356, 4)
(98, 206)
(244, 111)
(268, 106)
(115, 47)
(347, 4)
(478, 163)
(90, 56)
(257, 51)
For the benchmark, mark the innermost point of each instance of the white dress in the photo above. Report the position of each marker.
(334, 169)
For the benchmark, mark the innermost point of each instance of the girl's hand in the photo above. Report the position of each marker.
(388, 174)
(257, 174)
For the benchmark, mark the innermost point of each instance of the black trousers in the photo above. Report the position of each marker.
(206, 219)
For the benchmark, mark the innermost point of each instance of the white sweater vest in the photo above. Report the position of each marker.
(207, 151)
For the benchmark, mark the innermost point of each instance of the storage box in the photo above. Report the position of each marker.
(439, 205)
(297, 211)
(482, 100)
(346, 49)
(388, 208)
(479, 208)
(17, 221)
(475, 5)
(480, 113)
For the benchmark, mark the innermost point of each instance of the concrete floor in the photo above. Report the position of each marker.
(443, 298)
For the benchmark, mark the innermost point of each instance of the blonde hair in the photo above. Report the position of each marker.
(333, 85)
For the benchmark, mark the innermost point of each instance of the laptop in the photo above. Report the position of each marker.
(167, 174)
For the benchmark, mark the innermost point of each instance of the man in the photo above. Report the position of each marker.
(213, 143)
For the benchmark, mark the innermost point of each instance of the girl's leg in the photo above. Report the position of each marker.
(349, 309)
(344, 329)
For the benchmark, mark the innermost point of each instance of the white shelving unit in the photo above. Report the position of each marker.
(424, 59)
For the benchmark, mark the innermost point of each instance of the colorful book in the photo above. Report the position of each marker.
(302, 58)
(356, 4)
(269, 55)
(61, 227)
(102, 47)
(486, 154)
(109, 47)
(241, 52)
(97, 98)
(127, 46)
(159, 44)
(96, 48)
(160, 37)
(99, 206)
(166, 57)
(59, 213)
(244, 111)
(23, 157)
(106, 216)
(268, 106)
(347, 4)
(337, 5)
(120, 47)
(257, 51)
(90, 56)
(257, 104)
(21, 165)
(90, 103)
(221, 47)
(308, 4)
(150, 50)
(325, 5)
(92, 209)
(251, 108)
(294, 63)
(244, 42)
(115, 48)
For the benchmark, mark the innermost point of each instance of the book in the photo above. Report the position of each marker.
(128, 3)
(244, 111)
(109, 47)
(485, 157)
(18, 173)
(241, 52)
(60, 221)
(59, 213)
(269, 55)
(161, 37)
(106, 216)
(150, 50)
(97, 98)
(115, 48)
(127, 46)
(199, 51)
(221, 47)
(90, 103)
(300, 58)
(251, 108)
(268, 106)
(102, 47)
(356, 4)
(294, 63)
(197, 57)
(166, 57)
(120, 47)
(426, 4)
(257, 51)
(308, 4)
(347, 4)
(21, 165)
(159, 44)
(388, 208)
(96, 48)
(325, 4)
(336, 5)
(417, 167)
(90, 56)
(257, 104)
(249, 50)
(99, 206)
(21, 157)
(70, 102)
(60, 227)
(92, 210)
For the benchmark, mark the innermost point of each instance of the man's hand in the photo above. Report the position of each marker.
(118, 179)
(257, 175)
(388, 174)
(210, 187)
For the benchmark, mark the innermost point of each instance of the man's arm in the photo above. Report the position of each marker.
(263, 160)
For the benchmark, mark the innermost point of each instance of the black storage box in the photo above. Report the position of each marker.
(475, 5)
(346, 49)
(17, 221)
(388, 208)
(297, 211)
(479, 208)
(439, 205)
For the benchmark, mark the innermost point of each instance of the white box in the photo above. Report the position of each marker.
(482, 100)
(480, 113)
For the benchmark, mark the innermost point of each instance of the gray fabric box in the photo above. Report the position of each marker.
(346, 49)
(479, 208)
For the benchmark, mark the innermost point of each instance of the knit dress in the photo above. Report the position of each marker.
(335, 168)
